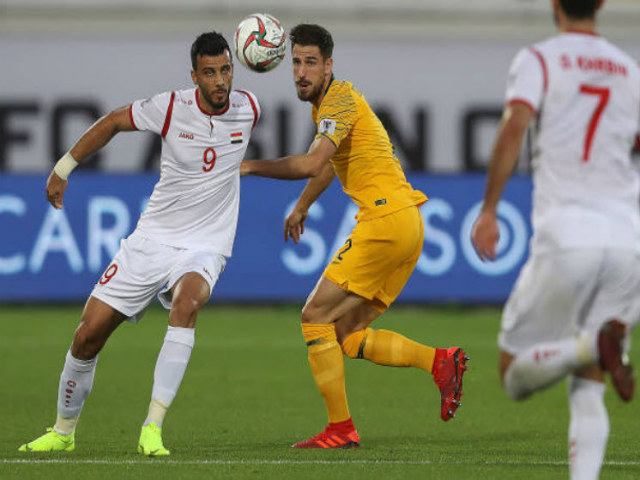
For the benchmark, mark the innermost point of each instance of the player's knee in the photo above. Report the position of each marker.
(184, 309)
(353, 345)
(310, 314)
(86, 343)
(513, 384)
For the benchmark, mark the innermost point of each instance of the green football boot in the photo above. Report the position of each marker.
(150, 442)
(51, 441)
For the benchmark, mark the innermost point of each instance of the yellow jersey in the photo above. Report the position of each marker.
(364, 161)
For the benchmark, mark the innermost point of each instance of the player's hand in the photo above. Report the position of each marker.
(55, 190)
(294, 225)
(244, 168)
(484, 235)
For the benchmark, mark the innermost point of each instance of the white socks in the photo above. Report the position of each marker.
(588, 428)
(544, 364)
(76, 381)
(170, 367)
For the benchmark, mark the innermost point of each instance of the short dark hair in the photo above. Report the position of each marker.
(580, 9)
(307, 34)
(210, 44)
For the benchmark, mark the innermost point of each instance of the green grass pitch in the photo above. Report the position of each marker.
(248, 395)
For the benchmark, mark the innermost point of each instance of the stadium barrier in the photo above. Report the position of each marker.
(57, 255)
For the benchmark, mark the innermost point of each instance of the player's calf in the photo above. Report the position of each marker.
(611, 351)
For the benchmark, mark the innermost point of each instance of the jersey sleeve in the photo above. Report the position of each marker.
(526, 79)
(255, 105)
(151, 113)
(337, 115)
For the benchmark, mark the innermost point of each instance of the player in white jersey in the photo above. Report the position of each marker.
(576, 298)
(182, 239)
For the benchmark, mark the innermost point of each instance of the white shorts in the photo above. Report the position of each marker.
(142, 267)
(560, 294)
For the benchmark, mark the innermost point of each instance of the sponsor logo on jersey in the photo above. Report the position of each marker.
(236, 137)
(327, 126)
(187, 135)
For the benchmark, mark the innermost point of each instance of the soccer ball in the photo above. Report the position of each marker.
(260, 42)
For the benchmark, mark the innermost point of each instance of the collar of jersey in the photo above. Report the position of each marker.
(207, 113)
(328, 86)
(582, 32)
(330, 82)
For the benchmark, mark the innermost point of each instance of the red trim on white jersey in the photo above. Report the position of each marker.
(522, 101)
(224, 110)
(133, 124)
(543, 63)
(167, 119)
(638, 142)
(253, 106)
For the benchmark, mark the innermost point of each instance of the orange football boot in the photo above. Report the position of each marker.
(335, 435)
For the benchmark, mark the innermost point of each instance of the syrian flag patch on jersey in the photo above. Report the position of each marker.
(236, 137)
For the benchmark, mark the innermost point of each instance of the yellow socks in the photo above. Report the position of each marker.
(388, 348)
(327, 366)
(378, 346)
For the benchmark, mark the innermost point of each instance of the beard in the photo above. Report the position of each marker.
(310, 95)
(215, 105)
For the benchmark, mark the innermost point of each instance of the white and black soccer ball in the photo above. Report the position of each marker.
(260, 42)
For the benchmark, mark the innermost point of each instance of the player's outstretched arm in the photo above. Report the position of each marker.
(96, 137)
(295, 167)
(294, 223)
(515, 119)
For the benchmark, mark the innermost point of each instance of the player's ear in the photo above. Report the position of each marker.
(194, 77)
(329, 63)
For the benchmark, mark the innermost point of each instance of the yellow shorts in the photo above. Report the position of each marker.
(378, 257)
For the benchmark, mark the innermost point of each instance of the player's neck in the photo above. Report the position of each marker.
(579, 26)
(211, 110)
(325, 87)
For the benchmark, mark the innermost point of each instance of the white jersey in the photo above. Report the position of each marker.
(195, 203)
(586, 94)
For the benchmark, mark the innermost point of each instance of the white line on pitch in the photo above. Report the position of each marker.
(287, 462)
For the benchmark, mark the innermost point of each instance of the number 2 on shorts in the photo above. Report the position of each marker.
(347, 246)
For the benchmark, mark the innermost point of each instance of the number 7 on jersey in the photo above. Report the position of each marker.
(603, 99)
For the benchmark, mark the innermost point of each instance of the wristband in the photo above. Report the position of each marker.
(65, 165)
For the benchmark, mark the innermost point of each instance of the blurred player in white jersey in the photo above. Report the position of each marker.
(578, 295)
(180, 245)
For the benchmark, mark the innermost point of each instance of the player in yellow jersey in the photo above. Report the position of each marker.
(367, 274)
